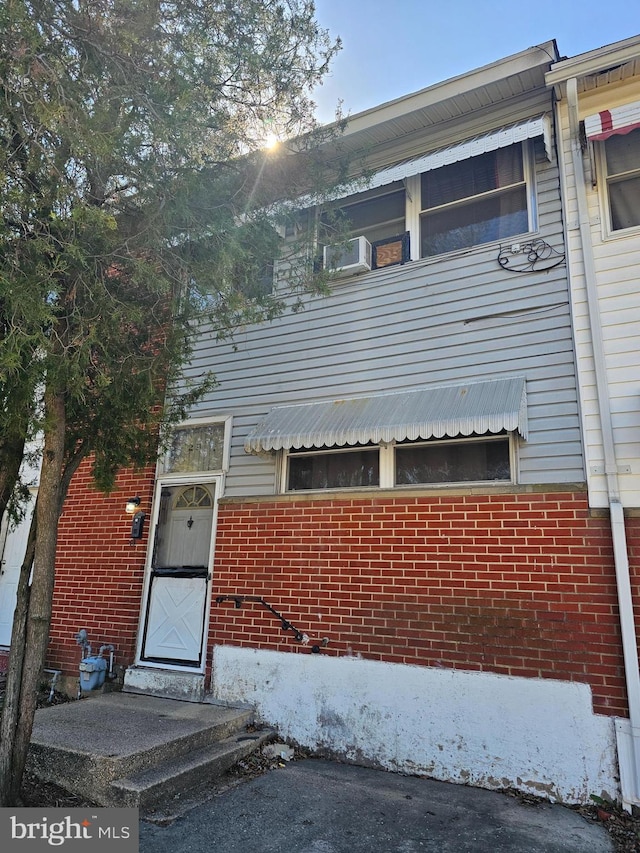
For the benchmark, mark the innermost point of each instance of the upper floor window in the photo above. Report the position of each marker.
(376, 217)
(474, 201)
(379, 216)
(622, 164)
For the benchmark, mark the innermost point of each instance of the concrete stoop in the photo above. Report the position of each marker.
(142, 751)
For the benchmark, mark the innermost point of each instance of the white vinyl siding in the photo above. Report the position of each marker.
(617, 261)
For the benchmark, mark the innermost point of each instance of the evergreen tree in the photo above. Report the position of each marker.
(131, 207)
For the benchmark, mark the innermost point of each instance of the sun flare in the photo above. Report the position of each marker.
(271, 141)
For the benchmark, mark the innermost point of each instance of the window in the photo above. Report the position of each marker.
(194, 497)
(474, 201)
(333, 469)
(378, 216)
(453, 462)
(622, 164)
(196, 447)
(375, 215)
(412, 463)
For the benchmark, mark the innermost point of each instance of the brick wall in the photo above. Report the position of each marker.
(519, 584)
(99, 572)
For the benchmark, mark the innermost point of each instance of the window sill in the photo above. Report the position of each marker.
(403, 493)
(415, 263)
(609, 236)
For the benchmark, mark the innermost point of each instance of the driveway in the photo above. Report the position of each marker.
(316, 806)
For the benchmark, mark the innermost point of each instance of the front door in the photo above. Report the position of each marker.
(177, 599)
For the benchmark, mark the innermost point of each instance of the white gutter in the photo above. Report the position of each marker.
(630, 779)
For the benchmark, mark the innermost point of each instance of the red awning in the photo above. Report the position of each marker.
(606, 123)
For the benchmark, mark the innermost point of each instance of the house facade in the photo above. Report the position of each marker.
(598, 124)
(383, 527)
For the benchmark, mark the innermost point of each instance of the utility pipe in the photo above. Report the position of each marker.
(616, 512)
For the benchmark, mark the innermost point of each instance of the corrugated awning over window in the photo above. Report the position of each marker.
(604, 124)
(446, 411)
(509, 135)
(501, 138)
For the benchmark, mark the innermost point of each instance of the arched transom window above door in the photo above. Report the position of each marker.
(194, 497)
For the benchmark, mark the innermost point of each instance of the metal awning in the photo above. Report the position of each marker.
(606, 123)
(500, 138)
(505, 136)
(474, 408)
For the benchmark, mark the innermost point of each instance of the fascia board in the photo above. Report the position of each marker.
(594, 61)
(533, 57)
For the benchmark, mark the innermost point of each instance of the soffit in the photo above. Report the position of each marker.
(612, 64)
(509, 79)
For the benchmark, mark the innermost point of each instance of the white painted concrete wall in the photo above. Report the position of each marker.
(536, 735)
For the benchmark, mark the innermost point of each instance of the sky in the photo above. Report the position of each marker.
(392, 48)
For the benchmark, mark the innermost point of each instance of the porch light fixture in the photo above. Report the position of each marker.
(137, 522)
(133, 505)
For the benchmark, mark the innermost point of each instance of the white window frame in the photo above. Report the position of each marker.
(395, 188)
(608, 232)
(471, 439)
(227, 421)
(325, 451)
(414, 211)
(371, 195)
(387, 466)
(529, 181)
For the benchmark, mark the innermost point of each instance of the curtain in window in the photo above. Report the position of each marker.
(472, 177)
(196, 449)
(480, 221)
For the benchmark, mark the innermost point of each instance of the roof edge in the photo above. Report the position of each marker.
(594, 61)
(532, 57)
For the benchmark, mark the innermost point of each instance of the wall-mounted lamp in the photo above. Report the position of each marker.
(137, 522)
(133, 505)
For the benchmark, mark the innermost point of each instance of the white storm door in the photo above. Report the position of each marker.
(12, 557)
(176, 607)
(176, 617)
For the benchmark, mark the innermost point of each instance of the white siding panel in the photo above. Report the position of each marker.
(617, 261)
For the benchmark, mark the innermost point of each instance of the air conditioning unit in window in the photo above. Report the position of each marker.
(350, 258)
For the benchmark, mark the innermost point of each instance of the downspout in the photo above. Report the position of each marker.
(618, 531)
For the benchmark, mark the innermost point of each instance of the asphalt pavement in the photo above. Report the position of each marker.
(316, 806)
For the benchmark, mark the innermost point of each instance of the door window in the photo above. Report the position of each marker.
(185, 524)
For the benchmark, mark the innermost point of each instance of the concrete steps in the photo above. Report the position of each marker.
(119, 749)
(161, 786)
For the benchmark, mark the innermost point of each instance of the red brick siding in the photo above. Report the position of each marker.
(99, 573)
(518, 584)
